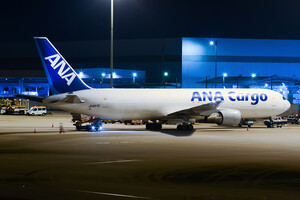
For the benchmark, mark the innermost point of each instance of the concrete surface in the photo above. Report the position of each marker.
(128, 162)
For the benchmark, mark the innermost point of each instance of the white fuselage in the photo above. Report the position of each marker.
(126, 104)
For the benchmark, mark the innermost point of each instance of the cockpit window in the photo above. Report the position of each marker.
(283, 98)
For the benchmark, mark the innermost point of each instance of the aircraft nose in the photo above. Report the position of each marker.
(287, 105)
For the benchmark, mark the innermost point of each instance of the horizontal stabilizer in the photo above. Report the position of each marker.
(72, 99)
(32, 98)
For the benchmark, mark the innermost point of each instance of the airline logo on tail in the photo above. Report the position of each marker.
(61, 76)
(62, 72)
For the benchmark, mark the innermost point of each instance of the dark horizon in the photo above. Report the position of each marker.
(71, 20)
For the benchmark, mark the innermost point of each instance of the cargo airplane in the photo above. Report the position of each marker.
(224, 106)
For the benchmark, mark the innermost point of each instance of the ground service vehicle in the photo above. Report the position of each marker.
(15, 106)
(293, 119)
(275, 121)
(85, 122)
(37, 110)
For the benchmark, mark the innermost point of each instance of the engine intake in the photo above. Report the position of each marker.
(226, 117)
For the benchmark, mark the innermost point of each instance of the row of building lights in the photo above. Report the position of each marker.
(81, 75)
(252, 75)
(134, 75)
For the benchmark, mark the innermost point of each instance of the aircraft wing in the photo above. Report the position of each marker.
(71, 98)
(204, 109)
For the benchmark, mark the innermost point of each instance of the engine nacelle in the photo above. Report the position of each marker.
(226, 117)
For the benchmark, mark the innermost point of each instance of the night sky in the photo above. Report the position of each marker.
(64, 20)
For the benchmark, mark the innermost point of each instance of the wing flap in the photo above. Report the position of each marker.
(204, 109)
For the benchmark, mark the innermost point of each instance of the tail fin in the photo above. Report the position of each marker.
(60, 74)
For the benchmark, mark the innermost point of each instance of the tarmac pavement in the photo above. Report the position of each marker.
(129, 162)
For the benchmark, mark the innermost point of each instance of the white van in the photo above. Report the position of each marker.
(37, 110)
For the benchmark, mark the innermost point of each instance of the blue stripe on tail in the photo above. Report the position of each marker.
(60, 74)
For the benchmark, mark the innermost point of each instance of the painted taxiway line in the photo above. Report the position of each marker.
(103, 142)
(114, 194)
(113, 161)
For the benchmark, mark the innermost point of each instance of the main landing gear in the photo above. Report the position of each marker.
(185, 127)
(153, 126)
(180, 127)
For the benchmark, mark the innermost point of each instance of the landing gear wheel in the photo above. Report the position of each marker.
(148, 126)
(190, 127)
(180, 127)
(159, 126)
(185, 127)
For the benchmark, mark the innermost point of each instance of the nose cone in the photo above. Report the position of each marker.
(287, 105)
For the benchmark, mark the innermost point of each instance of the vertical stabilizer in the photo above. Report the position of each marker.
(60, 74)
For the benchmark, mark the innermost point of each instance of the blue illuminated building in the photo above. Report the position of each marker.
(238, 57)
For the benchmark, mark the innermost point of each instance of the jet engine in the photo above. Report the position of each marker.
(226, 117)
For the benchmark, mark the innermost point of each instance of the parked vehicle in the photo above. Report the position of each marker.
(293, 119)
(248, 122)
(37, 110)
(275, 121)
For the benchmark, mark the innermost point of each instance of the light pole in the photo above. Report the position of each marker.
(272, 82)
(252, 77)
(102, 77)
(111, 42)
(133, 77)
(166, 74)
(224, 75)
(206, 81)
(215, 44)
